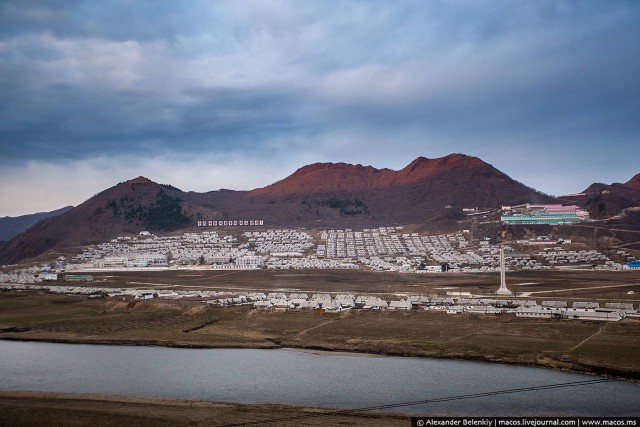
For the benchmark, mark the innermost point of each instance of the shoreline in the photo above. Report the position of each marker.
(546, 362)
(332, 353)
(27, 408)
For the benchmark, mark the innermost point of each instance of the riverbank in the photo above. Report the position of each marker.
(580, 346)
(21, 408)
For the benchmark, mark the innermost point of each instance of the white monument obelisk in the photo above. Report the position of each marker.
(503, 283)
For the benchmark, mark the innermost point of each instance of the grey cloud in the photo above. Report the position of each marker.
(81, 79)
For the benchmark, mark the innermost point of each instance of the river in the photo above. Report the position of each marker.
(301, 378)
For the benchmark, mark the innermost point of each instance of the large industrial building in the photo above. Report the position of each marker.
(543, 214)
(603, 314)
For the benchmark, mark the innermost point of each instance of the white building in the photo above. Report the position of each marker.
(400, 305)
(607, 314)
(110, 262)
(249, 261)
(603, 314)
(539, 312)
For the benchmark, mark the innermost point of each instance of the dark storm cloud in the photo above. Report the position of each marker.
(536, 79)
(318, 80)
(255, 112)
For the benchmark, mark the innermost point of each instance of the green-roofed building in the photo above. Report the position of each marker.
(78, 278)
(541, 218)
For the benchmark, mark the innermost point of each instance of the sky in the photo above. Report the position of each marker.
(238, 94)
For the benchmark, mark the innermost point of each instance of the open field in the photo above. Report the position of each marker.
(585, 346)
(29, 408)
(579, 285)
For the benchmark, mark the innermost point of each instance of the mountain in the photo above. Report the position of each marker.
(619, 205)
(332, 177)
(606, 200)
(128, 207)
(12, 226)
(427, 193)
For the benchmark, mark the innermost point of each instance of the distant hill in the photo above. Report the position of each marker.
(429, 192)
(606, 200)
(12, 226)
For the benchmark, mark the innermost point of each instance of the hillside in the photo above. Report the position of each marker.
(634, 183)
(607, 200)
(430, 193)
(125, 208)
(12, 226)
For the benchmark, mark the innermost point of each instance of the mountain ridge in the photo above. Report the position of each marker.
(426, 192)
(326, 177)
(12, 226)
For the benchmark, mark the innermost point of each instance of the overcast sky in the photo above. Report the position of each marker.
(239, 94)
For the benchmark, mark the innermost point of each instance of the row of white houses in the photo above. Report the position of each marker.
(612, 311)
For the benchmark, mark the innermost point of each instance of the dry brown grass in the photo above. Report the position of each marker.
(196, 311)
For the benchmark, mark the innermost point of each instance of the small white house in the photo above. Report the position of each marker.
(308, 305)
(262, 304)
(331, 306)
(400, 305)
(455, 309)
(375, 305)
(346, 302)
(282, 303)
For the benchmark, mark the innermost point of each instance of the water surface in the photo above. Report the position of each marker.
(299, 378)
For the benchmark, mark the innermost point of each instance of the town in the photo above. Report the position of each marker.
(379, 249)
(247, 245)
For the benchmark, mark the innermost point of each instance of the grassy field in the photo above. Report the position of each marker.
(604, 348)
(47, 409)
